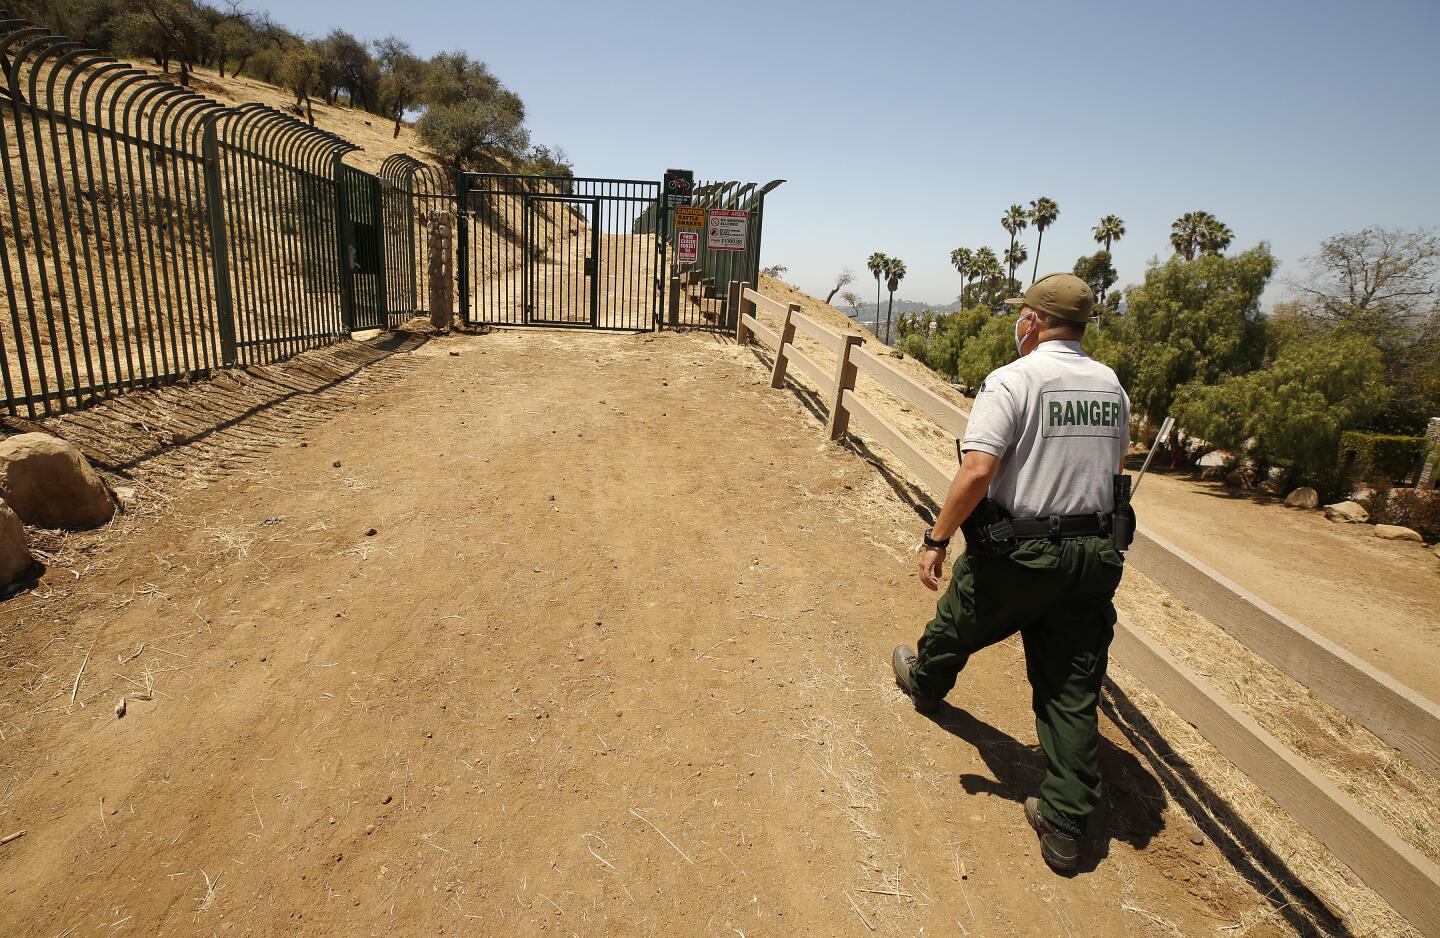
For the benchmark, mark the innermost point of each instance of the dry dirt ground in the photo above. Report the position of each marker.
(569, 633)
(1378, 599)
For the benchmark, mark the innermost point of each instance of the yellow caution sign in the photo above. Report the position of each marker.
(688, 216)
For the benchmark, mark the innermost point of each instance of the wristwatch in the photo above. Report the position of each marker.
(934, 543)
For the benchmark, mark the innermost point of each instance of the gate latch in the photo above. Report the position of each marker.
(589, 266)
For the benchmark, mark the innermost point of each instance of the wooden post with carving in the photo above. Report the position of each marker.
(787, 337)
(732, 304)
(844, 381)
(441, 269)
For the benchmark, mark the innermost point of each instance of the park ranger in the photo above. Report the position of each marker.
(1047, 440)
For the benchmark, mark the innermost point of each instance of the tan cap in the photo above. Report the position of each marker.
(1063, 295)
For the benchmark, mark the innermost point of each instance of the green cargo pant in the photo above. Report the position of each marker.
(1057, 595)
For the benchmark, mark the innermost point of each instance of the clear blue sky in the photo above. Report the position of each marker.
(908, 126)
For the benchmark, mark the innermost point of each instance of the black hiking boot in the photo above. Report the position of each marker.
(902, 660)
(1060, 850)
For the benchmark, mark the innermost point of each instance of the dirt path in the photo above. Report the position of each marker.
(613, 662)
(1378, 599)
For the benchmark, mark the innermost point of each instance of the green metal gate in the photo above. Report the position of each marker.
(362, 236)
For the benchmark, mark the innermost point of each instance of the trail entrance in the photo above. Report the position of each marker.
(600, 253)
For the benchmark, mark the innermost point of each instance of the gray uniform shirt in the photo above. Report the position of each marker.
(1059, 422)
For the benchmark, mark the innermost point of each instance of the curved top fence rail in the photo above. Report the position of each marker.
(149, 233)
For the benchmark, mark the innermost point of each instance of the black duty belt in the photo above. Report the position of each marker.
(1055, 526)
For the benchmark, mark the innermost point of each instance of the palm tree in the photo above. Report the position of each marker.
(1185, 233)
(894, 273)
(964, 261)
(1111, 228)
(1043, 213)
(1214, 236)
(1015, 220)
(1014, 257)
(876, 265)
(987, 265)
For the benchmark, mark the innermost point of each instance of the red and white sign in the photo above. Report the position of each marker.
(687, 247)
(728, 230)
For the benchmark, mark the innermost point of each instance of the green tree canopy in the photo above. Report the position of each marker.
(1190, 321)
(992, 347)
(1291, 410)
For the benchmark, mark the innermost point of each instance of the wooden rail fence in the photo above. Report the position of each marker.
(1411, 723)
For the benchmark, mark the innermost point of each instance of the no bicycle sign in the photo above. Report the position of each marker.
(727, 230)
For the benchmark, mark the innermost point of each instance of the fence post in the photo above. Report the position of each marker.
(732, 304)
(673, 313)
(839, 420)
(742, 332)
(344, 246)
(219, 244)
(787, 337)
(462, 242)
(1428, 469)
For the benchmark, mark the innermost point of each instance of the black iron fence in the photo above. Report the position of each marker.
(149, 233)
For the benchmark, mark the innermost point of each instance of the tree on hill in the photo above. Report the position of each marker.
(164, 31)
(1015, 257)
(992, 347)
(402, 78)
(1043, 213)
(466, 134)
(842, 280)
(1196, 233)
(963, 260)
(300, 71)
(351, 68)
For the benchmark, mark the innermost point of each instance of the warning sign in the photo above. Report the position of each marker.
(687, 247)
(689, 216)
(727, 230)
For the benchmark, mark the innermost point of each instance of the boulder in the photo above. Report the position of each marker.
(1241, 479)
(47, 482)
(1271, 487)
(1212, 474)
(15, 557)
(1346, 513)
(1303, 497)
(1395, 532)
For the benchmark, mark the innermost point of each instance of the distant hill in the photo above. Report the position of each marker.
(866, 314)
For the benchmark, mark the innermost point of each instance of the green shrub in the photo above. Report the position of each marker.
(1415, 509)
(1380, 456)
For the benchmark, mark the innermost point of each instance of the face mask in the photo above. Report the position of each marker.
(1020, 340)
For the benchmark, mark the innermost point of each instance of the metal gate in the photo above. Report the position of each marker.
(557, 251)
(364, 255)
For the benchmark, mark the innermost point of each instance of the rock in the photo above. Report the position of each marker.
(1395, 532)
(1346, 513)
(1241, 479)
(127, 498)
(1212, 474)
(1436, 552)
(1271, 487)
(47, 482)
(15, 559)
(1303, 497)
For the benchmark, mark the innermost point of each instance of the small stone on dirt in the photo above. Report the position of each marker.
(385, 800)
(336, 464)
(48, 482)
(1303, 497)
(126, 497)
(1395, 532)
(371, 532)
(454, 354)
(1346, 513)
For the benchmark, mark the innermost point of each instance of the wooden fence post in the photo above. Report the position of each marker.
(732, 304)
(844, 381)
(787, 337)
(441, 273)
(742, 333)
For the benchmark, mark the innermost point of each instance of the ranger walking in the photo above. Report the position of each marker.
(1047, 440)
